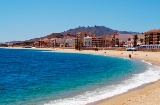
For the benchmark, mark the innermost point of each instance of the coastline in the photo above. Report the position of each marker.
(148, 94)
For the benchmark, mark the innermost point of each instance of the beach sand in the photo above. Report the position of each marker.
(146, 95)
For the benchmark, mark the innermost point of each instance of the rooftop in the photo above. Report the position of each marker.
(152, 31)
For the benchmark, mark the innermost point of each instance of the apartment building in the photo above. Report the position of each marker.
(87, 41)
(152, 37)
(96, 42)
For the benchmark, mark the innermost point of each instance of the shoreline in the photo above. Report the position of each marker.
(106, 101)
(141, 95)
(151, 57)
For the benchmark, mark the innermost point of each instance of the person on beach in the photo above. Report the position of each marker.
(129, 55)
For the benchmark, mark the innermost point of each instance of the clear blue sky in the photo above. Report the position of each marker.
(26, 19)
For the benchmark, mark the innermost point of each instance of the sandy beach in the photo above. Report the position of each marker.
(146, 95)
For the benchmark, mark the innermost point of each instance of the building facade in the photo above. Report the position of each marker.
(87, 41)
(96, 42)
(152, 37)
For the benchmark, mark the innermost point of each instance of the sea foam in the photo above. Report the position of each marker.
(146, 62)
(152, 74)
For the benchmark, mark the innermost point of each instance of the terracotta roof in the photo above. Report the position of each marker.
(152, 31)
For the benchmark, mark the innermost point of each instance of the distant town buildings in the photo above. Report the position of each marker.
(152, 37)
(151, 40)
(87, 41)
(81, 40)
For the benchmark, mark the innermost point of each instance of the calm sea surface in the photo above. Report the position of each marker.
(33, 77)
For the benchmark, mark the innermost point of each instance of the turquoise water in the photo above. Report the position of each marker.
(33, 77)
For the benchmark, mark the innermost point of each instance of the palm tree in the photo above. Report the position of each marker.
(129, 42)
(145, 37)
(89, 43)
(117, 41)
(146, 40)
(113, 41)
(85, 44)
(141, 40)
(107, 42)
(129, 39)
(123, 43)
(135, 38)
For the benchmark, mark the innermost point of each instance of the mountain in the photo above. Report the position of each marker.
(97, 30)
(53, 35)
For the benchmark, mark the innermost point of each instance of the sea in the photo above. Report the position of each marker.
(39, 77)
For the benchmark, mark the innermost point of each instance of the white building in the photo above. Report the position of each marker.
(70, 42)
(129, 44)
(88, 41)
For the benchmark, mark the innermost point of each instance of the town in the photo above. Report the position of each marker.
(149, 40)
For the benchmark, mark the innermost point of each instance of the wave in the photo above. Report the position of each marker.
(152, 74)
(126, 58)
(47, 51)
(146, 62)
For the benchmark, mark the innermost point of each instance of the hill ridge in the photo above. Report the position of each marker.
(97, 30)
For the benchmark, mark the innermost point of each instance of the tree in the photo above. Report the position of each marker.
(107, 43)
(117, 41)
(85, 44)
(145, 39)
(67, 44)
(141, 40)
(89, 43)
(135, 38)
(113, 41)
(129, 39)
(122, 43)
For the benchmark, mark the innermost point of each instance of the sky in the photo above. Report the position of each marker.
(26, 19)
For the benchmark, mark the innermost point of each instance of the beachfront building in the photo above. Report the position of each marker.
(9, 43)
(152, 37)
(84, 39)
(96, 42)
(49, 43)
(69, 40)
(81, 35)
(53, 42)
(106, 41)
(87, 41)
(151, 40)
(70, 43)
(129, 43)
(59, 42)
(140, 40)
(43, 43)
